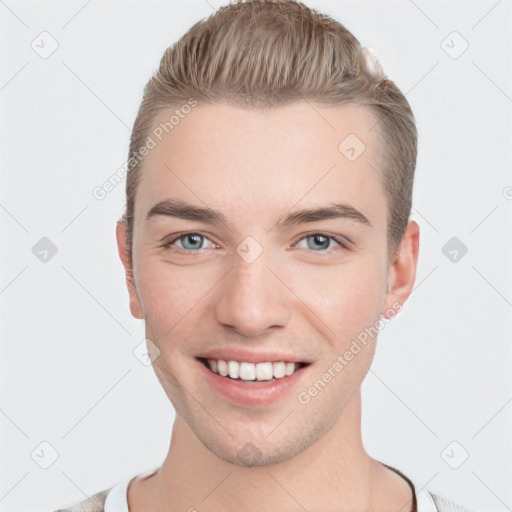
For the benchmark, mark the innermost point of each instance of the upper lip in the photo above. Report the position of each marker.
(261, 356)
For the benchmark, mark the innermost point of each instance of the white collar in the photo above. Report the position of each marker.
(117, 499)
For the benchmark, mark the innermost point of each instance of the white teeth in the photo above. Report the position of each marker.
(247, 371)
(222, 367)
(279, 370)
(290, 368)
(233, 369)
(264, 371)
(252, 371)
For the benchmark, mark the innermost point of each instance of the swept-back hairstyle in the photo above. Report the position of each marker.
(260, 54)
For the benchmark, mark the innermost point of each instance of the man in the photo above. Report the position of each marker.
(266, 240)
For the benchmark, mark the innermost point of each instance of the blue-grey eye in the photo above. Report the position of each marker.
(190, 241)
(321, 240)
(318, 241)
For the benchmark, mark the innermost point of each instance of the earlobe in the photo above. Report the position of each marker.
(402, 271)
(135, 307)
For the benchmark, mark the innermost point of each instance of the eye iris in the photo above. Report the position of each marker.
(324, 240)
(197, 238)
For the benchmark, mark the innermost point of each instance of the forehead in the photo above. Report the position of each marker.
(256, 163)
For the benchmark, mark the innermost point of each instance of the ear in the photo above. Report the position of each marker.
(135, 307)
(402, 270)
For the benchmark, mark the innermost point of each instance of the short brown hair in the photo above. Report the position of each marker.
(267, 53)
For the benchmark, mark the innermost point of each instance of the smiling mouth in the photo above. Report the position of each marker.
(252, 372)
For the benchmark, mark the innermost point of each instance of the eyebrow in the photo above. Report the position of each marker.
(183, 210)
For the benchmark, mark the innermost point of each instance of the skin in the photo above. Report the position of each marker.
(300, 295)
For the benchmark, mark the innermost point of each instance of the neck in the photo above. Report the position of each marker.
(334, 473)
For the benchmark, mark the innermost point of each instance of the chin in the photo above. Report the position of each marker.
(253, 454)
(252, 448)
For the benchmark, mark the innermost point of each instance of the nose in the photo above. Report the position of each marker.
(252, 300)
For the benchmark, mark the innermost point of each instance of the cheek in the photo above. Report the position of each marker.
(168, 296)
(361, 298)
(346, 298)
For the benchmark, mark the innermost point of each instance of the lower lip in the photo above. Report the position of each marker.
(254, 393)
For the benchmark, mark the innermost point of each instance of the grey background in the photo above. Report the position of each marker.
(68, 373)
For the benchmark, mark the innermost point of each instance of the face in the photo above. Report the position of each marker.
(241, 276)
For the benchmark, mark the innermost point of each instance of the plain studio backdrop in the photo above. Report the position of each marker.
(80, 411)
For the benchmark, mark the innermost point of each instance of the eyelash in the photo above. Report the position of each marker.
(341, 243)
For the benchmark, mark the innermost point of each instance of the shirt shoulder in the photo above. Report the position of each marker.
(444, 504)
(95, 503)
